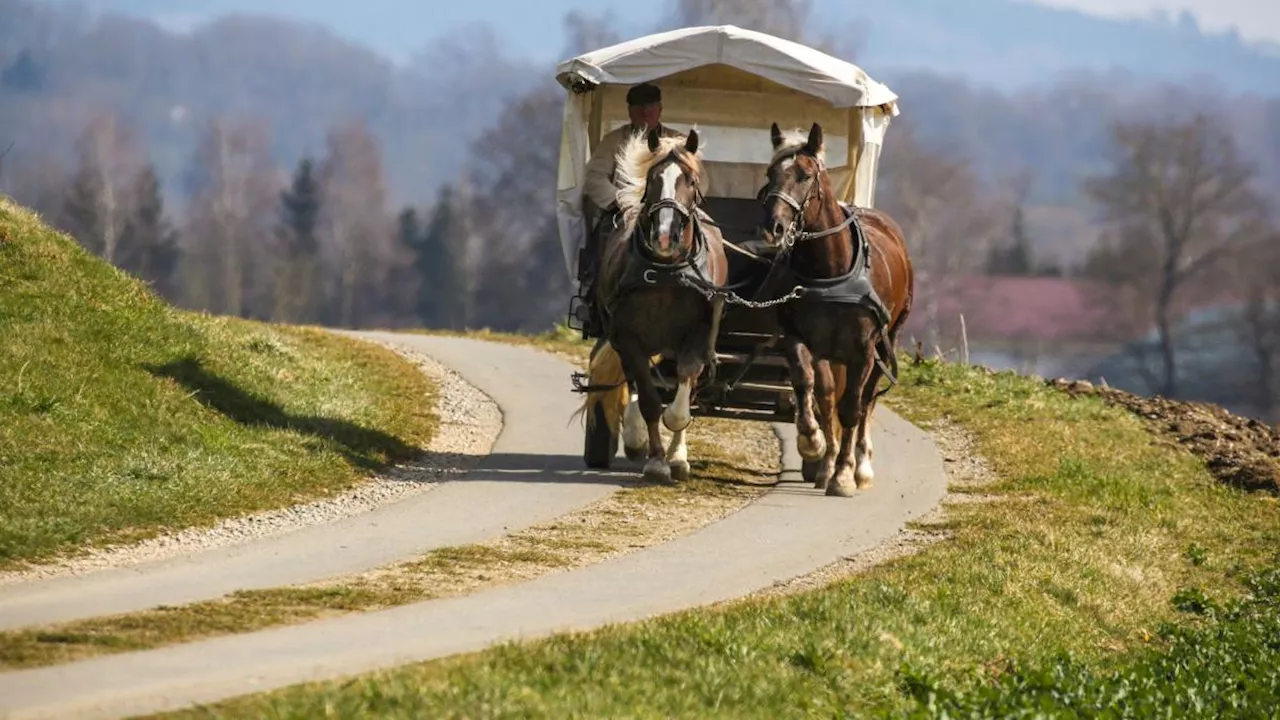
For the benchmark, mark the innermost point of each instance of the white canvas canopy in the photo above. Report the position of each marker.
(732, 84)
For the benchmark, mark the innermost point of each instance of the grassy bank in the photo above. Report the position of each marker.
(121, 417)
(1099, 528)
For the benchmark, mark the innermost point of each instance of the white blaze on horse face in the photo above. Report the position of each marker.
(666, 216)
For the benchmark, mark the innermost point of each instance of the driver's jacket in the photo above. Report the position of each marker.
(599, 186)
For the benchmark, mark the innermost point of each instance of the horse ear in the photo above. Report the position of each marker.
(775, 134)
(653, 140)
(815, 139)
(691, 143)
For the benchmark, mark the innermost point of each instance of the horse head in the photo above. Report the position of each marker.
(660, 177)
(797, 185)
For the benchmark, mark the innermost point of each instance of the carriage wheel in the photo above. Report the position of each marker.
(599, 444)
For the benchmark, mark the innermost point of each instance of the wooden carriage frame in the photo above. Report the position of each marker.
(732, 84)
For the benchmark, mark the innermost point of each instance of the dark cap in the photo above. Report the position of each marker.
(644, 94)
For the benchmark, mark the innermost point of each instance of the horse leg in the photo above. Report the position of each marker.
(852, 411)
(635, 436)
(809, 441)
(864, 474)
(690, 364)
(824, 388)
(679, 414)
(677, 418)
(637, 364)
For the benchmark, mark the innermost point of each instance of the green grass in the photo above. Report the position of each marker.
(1101, 527)
(1226, 664)
(121, 416)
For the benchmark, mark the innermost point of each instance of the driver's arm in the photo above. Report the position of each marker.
(598, 185)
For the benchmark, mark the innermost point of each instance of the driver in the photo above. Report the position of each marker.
(644, 107)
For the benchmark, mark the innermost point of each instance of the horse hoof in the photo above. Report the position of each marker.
(838, 489)
(811, 447)
(864, 475)
(680, 471)
(657, 470)
(826, 471)
(635, 454)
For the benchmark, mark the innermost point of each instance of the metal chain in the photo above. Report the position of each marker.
(712, 292)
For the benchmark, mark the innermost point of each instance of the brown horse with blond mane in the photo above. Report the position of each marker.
(859, 285)
(662, 247)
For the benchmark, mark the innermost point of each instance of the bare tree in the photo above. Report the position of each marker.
(230, 220)
(522, 284)
(1257, 272)
(1179, 200)
(950, 220)
(100, 199)
(354, 226)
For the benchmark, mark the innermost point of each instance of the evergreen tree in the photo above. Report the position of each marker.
(149, 244)
(1020, 261)
(405, 278)
(409, 228)
(298, 289)
(437, 259)
(1015, 258)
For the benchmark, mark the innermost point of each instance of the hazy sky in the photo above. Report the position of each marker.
(540, 22)
(1254, 19)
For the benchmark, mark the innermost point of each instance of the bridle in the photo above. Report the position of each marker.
(686, 213)
(795, 232)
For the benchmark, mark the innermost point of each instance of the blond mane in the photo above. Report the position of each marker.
(635, 160)
(794, 140)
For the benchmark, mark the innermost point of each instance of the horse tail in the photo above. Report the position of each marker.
(606, 369)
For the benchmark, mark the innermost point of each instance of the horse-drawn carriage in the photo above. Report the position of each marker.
(729, 91)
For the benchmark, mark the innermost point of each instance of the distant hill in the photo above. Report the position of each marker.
(1005, 44)
(58, 68)
(1016, 44)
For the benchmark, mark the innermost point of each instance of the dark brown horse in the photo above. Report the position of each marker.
(661, 246)
(859, 284)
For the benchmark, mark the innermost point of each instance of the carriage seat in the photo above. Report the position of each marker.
(738, 219)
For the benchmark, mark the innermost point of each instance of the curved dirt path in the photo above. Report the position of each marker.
(789, 532)
(533, 474)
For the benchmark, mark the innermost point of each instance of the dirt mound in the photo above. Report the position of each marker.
(1239, 451)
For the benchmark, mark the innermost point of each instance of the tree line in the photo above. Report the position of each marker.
(1181, 209)
(316, 245)
(1182, 223)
